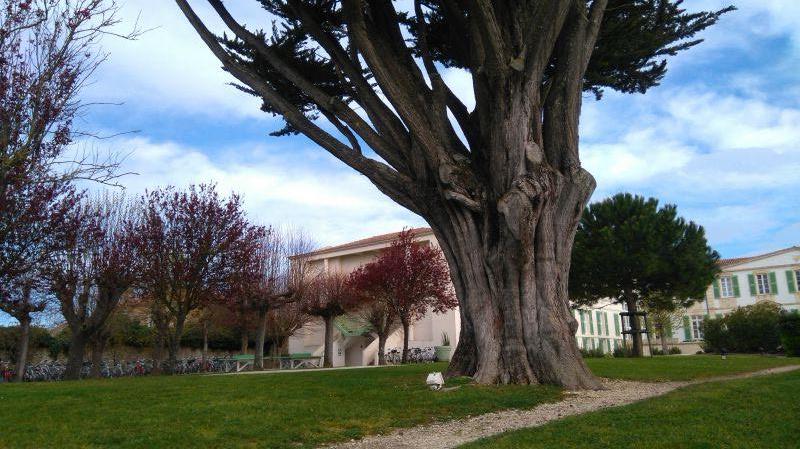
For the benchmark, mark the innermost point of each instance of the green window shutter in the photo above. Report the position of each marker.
(790, 281)
(616, 324)
(599, 317)
(586, 344)
(687, 328)
(736, 291)
(605, 323)
(717, 294)
(751, 278)
(773, 283)
(583, 322)
(591, 323)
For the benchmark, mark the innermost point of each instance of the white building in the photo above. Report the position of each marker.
(744, 281)
(353, 345)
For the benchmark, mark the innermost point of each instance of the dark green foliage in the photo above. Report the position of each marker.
(40, 338)
(634, 40)
(789, 328)
(675, 350)
(219, 338)
(751, 328)
(590, 353)
(626, 246)
(128, 331)
(629, 56)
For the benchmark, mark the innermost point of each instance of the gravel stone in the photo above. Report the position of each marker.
(451, 434)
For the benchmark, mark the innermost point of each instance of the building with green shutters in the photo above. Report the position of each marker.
(743, 281)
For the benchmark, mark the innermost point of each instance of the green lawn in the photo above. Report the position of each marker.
(269, 411)
(761, 412)
(287, 410)
(663, 368)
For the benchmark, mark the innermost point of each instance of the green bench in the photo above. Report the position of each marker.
(291, 361)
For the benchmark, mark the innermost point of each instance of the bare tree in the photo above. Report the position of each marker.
(502, 185)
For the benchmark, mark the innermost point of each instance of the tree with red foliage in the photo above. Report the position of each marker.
(187, 242)
(329, 295)
(417, 279)
(47, 51)
(89, 275)
(373, 286)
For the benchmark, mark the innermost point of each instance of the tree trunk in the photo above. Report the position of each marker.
(22, 346)
(175, 345)
(328, 355)
(510, 270)
(406, 327)
(77, 350)
(204, 355)
(636, 326)
(663, 335)
(381, 349)
(261, 333)
(158, 352)
(98, 347)
(245, 342)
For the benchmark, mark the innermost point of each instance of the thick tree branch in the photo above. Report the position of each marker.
(388, 180)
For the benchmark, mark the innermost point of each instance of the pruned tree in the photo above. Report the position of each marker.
(501, 185)
(664, 317)
(282, 323)
(186, 242)
(373, 287)
(417, 281)
(630, 250)
(48, 49)
(327, 296)
(89, 275)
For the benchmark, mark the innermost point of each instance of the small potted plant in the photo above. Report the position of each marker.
(443, 351)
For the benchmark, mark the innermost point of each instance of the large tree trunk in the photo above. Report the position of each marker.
(636, 326)
(261, 333)
(22, 346)
(77, 350)
(406, 328)
(328, 353)
(510, 271)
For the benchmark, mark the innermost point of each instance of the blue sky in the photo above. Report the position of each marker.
(720, 137)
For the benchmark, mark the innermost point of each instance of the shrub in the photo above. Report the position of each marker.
(658, 351)
(596, 352)
(621, 351)
(675, 350)
(789, 329)
(751, 328)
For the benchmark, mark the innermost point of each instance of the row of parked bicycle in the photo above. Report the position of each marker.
(54, 370)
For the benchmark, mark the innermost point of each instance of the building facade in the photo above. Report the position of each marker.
(745, 281)
(353, 345)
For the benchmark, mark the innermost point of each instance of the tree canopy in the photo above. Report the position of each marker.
(500, 184)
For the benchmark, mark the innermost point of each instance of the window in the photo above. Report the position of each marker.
(762, 283)
(797, 279)
(726, 285)
(697, 330)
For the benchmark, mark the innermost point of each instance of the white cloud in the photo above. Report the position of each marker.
(169, 68)
(303, 187)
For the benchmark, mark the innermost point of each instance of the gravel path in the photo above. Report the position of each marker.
(454, 433)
